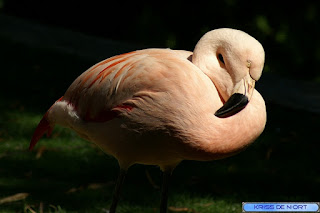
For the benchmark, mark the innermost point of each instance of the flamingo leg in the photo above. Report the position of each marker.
(164, 191)
(116, 193)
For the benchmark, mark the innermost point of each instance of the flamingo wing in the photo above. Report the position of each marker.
(153, 89)
(140, 79)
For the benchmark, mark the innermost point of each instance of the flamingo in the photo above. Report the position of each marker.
(162, 106)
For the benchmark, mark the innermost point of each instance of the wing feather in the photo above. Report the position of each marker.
(114, 84)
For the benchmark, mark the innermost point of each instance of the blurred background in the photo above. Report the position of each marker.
(289, 32)
(45, 45)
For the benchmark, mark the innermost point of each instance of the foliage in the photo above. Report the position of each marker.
(289, 32)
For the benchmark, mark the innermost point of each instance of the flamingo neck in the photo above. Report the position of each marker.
(205, 58)
(219, 138)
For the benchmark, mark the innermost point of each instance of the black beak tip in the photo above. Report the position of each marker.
(235, 104)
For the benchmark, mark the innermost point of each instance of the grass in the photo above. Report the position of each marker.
(66, 174)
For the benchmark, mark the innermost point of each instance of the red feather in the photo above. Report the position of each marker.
(42, 128)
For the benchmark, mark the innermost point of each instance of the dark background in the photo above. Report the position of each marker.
(289, 31)
(282, 165)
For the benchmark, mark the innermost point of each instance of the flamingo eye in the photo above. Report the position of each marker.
(221, 58)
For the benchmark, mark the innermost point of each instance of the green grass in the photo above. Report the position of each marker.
(280, 166)
(71, 163)
(72, 175)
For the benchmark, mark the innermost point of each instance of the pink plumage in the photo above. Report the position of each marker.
(162, 106)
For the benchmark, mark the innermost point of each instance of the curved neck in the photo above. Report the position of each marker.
(218, 138)
(203, 51)
(205, 57)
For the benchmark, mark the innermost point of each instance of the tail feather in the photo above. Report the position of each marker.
(43, 127)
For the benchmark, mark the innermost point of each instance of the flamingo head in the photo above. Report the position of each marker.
(234, 61)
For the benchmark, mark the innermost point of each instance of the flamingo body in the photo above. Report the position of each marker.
(157, 106)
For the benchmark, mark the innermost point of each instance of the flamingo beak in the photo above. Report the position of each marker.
(241, 96)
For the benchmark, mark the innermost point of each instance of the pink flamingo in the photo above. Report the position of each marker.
(162, 106)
